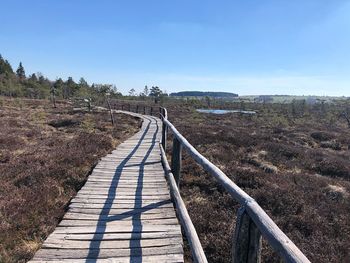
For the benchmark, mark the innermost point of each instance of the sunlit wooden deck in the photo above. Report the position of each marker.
(124, 212)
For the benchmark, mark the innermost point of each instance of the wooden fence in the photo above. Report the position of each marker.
(252, 221)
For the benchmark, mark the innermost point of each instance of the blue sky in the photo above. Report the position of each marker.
(247, 47)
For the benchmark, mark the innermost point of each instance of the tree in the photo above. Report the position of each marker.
(33, 78)
(83, 83)
(20, 72)
(53, 95)
(5, 66)
(71, 87)
(58, 86)
(208, 100)
(155, 92)
(114, 92)
(145, 91)
(132, 92)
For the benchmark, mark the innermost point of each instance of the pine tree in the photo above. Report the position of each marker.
(155, 92)
(70, 88)
(5, 66)
(58, 86)
(146, 91)
(20, 72)
(33, 78)
(83, 83)
(132, 92)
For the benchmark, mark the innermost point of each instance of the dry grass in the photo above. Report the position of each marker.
(45, 157)
(282, 162)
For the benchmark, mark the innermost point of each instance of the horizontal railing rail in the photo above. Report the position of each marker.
(252, 221)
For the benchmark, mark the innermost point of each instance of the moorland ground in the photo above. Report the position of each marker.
(46, 155)
(295, 162)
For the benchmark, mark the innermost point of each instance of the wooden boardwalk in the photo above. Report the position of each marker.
(124, 212)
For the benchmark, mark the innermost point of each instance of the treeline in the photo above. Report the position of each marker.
(36, 86)
(213, 94)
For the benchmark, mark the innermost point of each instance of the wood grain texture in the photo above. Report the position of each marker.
(247, 240)
(124, 212)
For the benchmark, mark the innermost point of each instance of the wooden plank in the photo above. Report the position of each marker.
(114, 236)
(144, 259)
(134, 197)
(97, 221)
(121, 192)
(118, 244)
(120, 218)
(162, 184)
(116, 229)
(121, 212)
(106, 253)
(148, 188)
(120, 206)
(138, 202)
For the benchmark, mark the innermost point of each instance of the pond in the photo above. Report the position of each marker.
(218, 111)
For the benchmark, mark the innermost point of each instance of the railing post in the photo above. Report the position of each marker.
(144, 110)
(164, 135)
(110, 111)
(151, 111)
(164, 129)
(176, 160)
(247, 240)
(137, 108)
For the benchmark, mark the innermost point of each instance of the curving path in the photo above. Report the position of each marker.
(124, 212)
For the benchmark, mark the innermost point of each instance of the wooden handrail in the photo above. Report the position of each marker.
(274, 235)
(252, 221)
(191, 234)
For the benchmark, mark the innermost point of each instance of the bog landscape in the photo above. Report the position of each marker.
(292, 157)
(175, 131)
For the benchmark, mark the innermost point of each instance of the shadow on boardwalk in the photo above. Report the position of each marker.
(104, 218)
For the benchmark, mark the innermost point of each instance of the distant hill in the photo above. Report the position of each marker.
(203, 94)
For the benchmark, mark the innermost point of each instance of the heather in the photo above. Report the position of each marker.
(46, 155)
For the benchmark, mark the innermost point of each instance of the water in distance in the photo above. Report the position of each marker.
(216, 111)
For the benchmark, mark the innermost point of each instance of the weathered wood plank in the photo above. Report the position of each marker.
(120, 206)
(114, 236)
(143, 259)
(118, 244)
(130, 222)
(134, 197)
(115, 201)
(106, 253)
(122, 212)
(143, 216)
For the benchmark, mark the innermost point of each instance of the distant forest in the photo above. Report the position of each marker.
(36, 86)
(213, 94)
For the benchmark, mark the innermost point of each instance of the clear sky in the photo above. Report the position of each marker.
(242, 46)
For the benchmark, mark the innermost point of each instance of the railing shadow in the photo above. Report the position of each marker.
(135, 214)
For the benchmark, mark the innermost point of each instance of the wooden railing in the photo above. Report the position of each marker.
(252, 221)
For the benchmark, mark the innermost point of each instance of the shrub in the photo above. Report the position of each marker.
(321, 136)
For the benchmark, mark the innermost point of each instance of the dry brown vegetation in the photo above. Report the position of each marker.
(45, 157)
(295, 164)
